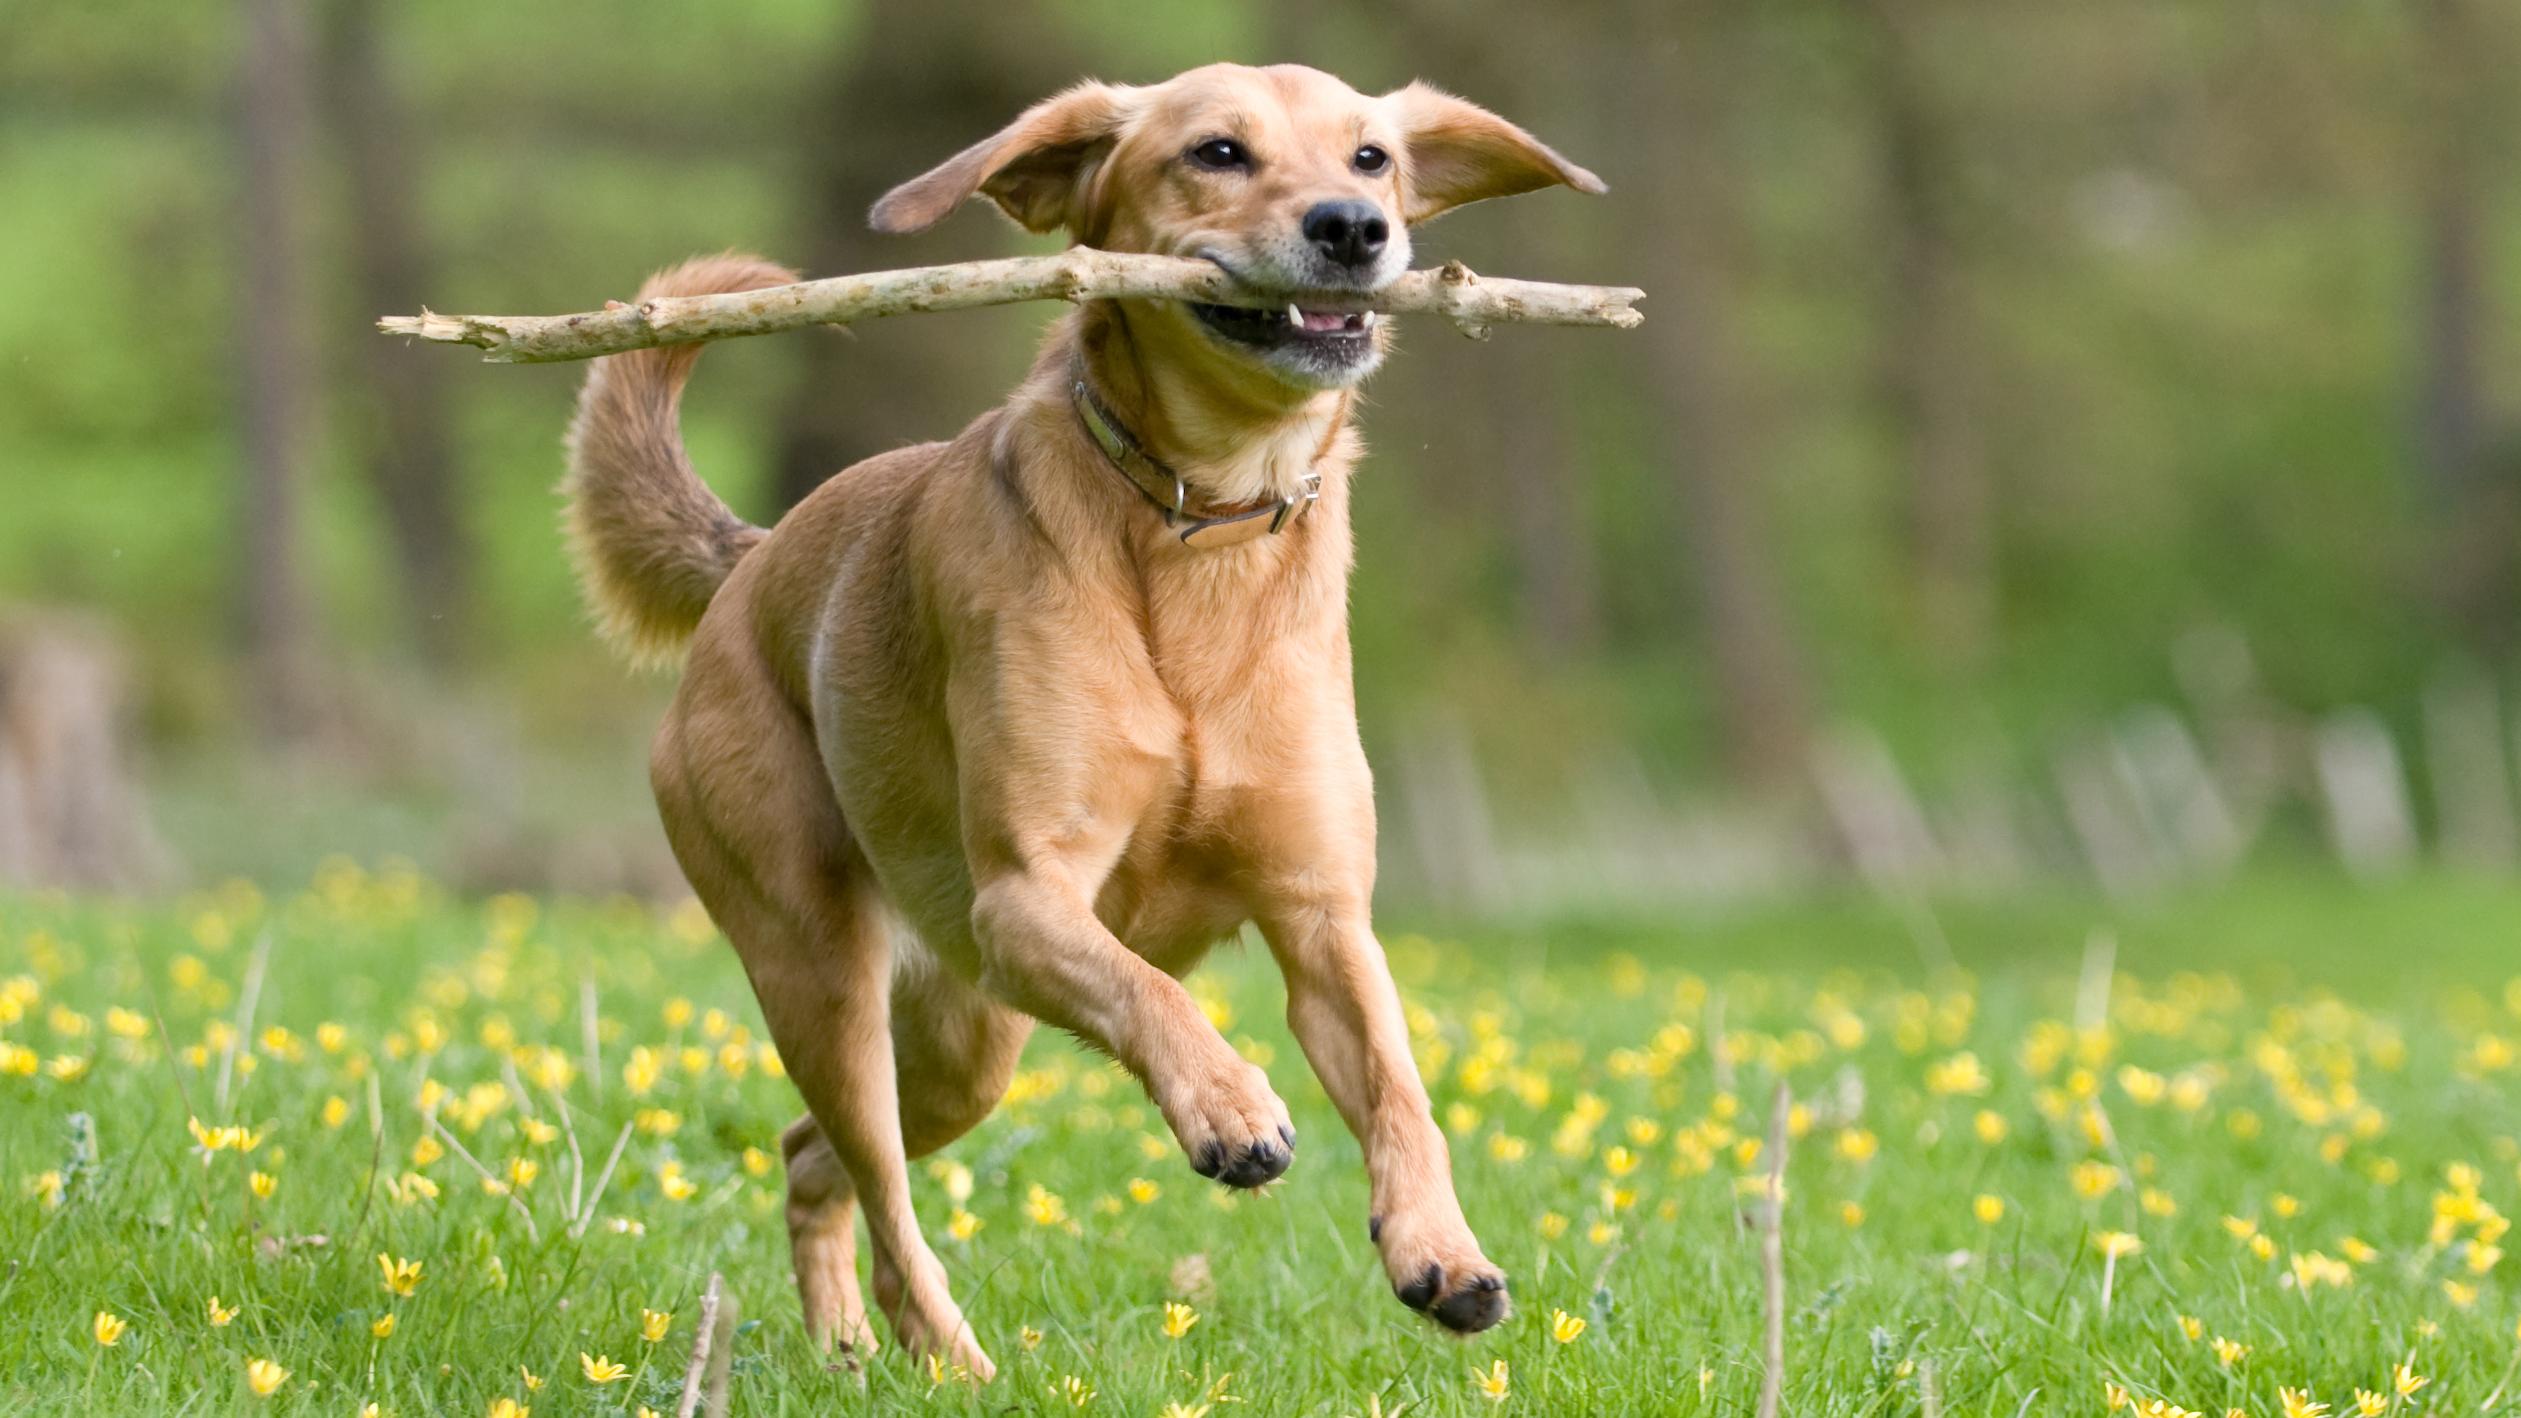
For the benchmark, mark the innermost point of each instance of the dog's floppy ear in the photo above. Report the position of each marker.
(1031, 168)
(1460, 152)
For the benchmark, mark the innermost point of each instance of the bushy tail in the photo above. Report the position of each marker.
(652, 543)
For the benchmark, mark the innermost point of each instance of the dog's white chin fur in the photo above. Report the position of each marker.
(1309, 369)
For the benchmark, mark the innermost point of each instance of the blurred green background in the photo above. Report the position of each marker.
(2070, 443)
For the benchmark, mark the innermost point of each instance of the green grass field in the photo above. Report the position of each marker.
(2297, 1129)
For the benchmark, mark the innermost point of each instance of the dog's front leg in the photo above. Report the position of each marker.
(1347, 1016)
(1043, 951)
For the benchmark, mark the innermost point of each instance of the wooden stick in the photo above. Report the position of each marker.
(1472, 302)
(1772, 1259)
(713, 1353)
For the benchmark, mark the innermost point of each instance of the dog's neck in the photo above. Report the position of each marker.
(1233, 445)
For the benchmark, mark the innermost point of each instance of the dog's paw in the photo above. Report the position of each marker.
(1446, 1279)
(1236, 1132)
(1255, 1163)
(1465, 1305)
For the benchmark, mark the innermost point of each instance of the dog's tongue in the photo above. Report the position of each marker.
(1324, 319)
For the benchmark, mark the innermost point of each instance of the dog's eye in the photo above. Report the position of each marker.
(1221, 155)
(1372, 159)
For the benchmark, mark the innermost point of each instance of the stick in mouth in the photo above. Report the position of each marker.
(1473, 303)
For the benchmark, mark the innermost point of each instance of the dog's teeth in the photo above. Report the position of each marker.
(1367, 322)
(1295, 317)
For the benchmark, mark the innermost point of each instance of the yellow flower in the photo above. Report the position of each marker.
(522, 1171)
(1991, 1127)
(1851, 1213)
(505, 1407)
(533, 1381)
(1143, 1191)
(2404, 1381)
(2193, 1327)
(1564, 1327)
(1029, 1337)
(1858, 1145)
(1178, 1318)
(1492, 1381)
(654, 1323)
(264, 1377)
(756, 1162)
(2116, 1243)
(1552, 1225)
(962, 1225)
(219, 1314)
(263, 1184)
(384, 1327)
(1044, 1206)
(108, 1328)
(2094, 1180)
(1988, 1209)
(1961, 1073)
(2298, 1404)
(401, 1276)
(1076, 1391)
(2115, 1397)
(2228, 1352)
(676, 1186)
(426, 1150)
(336, 1111)
(2369, 1404)
(1179, 1409)
(2461, 1294)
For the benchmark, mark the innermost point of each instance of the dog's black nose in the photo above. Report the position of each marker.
(1348, 233)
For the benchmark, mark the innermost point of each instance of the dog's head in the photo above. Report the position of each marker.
(1292, 181)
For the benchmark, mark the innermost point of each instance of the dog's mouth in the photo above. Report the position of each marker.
(1291, 326)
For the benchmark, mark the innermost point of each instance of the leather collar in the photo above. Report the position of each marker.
(1163, 487)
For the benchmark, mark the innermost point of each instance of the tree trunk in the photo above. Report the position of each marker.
(2473, 502)
(912, 86)
(401, 415)
(1923, 352)
(1677, 82)
(278, 396)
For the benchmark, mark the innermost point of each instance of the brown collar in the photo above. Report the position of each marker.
(1164, 487)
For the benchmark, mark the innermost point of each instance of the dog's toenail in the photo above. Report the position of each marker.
(1211, 1159)
(1374, 1229)
(1421, 1293)
(1287, 1134)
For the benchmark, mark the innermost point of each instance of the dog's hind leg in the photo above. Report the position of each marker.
(754, 824)
(823, 1238)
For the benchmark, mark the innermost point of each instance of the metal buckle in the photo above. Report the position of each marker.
(1310, 493)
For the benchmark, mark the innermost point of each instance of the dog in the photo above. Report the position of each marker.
(1015, 727)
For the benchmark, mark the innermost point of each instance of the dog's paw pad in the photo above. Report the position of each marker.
(1420, 1293)
(1476, 1306)
(1256, 1165)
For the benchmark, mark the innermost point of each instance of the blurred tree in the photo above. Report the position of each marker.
(1678, 72)
(279, 394)
(910, 86)
(1924, 335)
(1511, 410)
(401, 425)
(2471, 493)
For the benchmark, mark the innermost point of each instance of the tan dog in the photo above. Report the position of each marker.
(1013, 728)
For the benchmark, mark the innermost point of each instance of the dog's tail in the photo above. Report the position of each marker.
(652, 543)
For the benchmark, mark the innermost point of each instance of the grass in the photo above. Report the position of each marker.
(2352, 1102)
